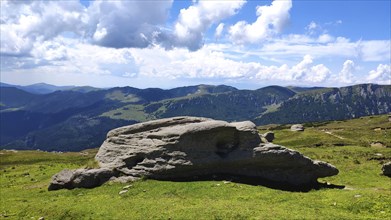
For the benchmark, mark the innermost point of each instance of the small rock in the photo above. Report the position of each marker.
(41, 218)
(297, 127)
(386, 169)
(218, 184)
(144, 190)
(357, 196)
(127, 187)
(226, 182)
(377, 144)
(122, 192)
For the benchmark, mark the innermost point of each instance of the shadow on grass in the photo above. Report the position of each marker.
(256, 181)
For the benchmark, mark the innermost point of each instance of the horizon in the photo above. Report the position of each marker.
(169, 44)
(164, 88)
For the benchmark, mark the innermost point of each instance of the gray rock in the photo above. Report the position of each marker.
(386, 169)
(185, 147)
(123, 192)
(268, 136)
(80, 178)
(297, 127)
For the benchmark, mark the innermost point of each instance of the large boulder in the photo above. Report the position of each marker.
(185, 147)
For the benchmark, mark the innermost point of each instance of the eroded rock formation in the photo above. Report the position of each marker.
(184, 147)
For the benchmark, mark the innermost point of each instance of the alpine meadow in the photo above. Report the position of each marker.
(195, 109)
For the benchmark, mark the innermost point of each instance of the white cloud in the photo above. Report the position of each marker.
(219, 30)
(312, 26)
(121, 24)
(209, 63)
(381, 75)
(375, 50)
(347, 73)
(24, 23)
(270, 21)
(294, 45)
(304, 71)
(195, 20)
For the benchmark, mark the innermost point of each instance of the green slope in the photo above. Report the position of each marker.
(331, 104)
(25, 175)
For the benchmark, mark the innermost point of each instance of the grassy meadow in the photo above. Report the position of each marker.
(356, 147)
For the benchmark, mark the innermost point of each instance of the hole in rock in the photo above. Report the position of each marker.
(133, 161)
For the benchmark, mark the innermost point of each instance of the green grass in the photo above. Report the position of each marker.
(25, 175)
(129, 112)
(358, 132)
(120, 96)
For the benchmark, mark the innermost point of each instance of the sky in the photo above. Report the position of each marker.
(164, 43)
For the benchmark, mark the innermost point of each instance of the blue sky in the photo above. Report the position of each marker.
(247, 44)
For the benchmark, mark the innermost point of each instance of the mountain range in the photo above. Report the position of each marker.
(47, 117)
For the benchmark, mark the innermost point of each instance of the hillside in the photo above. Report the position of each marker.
(77, 119)
(331, 104)
(359, 191)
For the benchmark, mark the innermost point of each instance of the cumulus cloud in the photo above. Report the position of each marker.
(209, 63)
(271, 20)
(121, 24)
(116, 24)
(195, 20)
(381, 75)
(303, 72)
(24, 23)
(347, 72)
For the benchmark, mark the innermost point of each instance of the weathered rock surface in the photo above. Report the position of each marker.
(297, 127)
(386, 169)
(80, 178)
(184, 147)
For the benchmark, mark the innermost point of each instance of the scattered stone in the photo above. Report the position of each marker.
(297, 127)
(357, 196)
(268, 136)
(386, 169)
(389, 117)
(41, 218)
(184, 147)
(377, 129)
(127, 187)
(226, 182)
(377, 144)
(348, 188)
(123, 192)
